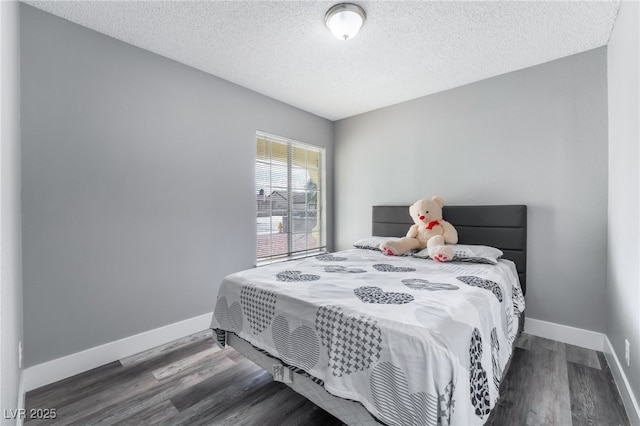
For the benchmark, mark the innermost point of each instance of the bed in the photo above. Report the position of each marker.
(388, 339)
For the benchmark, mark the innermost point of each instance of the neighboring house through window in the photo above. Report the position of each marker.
(290, 198)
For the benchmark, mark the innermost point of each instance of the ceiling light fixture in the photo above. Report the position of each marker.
(345, 20)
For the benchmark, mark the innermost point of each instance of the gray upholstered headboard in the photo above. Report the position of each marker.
(501, 226)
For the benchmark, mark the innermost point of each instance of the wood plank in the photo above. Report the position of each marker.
(232, 398)
(167, 348)
(583, 356)
(117, 402)
(512, 406)
(523, 341)
(531, 342)
(286, 403)
(161, 391)
(188, 363)
(60, 393)
(271, 410)
(594, 397)
(224, 387)
(150, 416)
(310, 414)
(535, 390)
(93, 382)
(75, 411)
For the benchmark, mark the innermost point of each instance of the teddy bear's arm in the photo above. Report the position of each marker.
(413, 231)
(450, 234)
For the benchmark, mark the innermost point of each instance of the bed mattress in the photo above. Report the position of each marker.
(416, 342)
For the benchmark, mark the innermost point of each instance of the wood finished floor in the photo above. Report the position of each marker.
(193, 382)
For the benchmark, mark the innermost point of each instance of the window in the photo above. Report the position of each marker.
(290, 198)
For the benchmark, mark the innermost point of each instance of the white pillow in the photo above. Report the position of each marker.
(469, 253)
(372, 243)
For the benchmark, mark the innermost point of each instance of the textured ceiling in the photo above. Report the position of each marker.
(405, 50)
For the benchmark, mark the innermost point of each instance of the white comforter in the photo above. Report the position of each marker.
(415, 341)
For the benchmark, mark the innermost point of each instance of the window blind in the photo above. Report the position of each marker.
(289, 198)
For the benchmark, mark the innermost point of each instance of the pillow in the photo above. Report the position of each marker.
(372, 243)
(469, 253)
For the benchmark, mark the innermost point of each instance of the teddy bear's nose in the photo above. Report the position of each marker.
(421, 218)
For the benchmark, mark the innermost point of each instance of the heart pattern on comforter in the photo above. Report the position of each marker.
(229, 317)
(259, 306)
(295, 276)
(330, 258)
(299, 348)
(478, 382)
(377, 295)
(482, 283)
(394, 400)
(385, 267)
(349, 352)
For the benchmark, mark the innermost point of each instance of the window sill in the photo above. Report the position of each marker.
(286, 259)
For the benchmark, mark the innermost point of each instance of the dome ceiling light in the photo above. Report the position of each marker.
(345, 20)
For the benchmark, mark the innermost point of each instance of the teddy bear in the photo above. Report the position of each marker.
(430, 231)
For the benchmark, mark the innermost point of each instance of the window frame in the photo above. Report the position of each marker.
(320, 200)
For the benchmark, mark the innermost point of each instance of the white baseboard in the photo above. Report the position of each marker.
(67, 366)
(565, 334)
(628, 398)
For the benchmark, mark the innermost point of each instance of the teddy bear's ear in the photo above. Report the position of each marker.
(438, 201)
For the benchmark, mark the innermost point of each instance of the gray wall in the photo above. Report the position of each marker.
(138, 180)
(623, 279)
(10, 248)
(537, 136)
